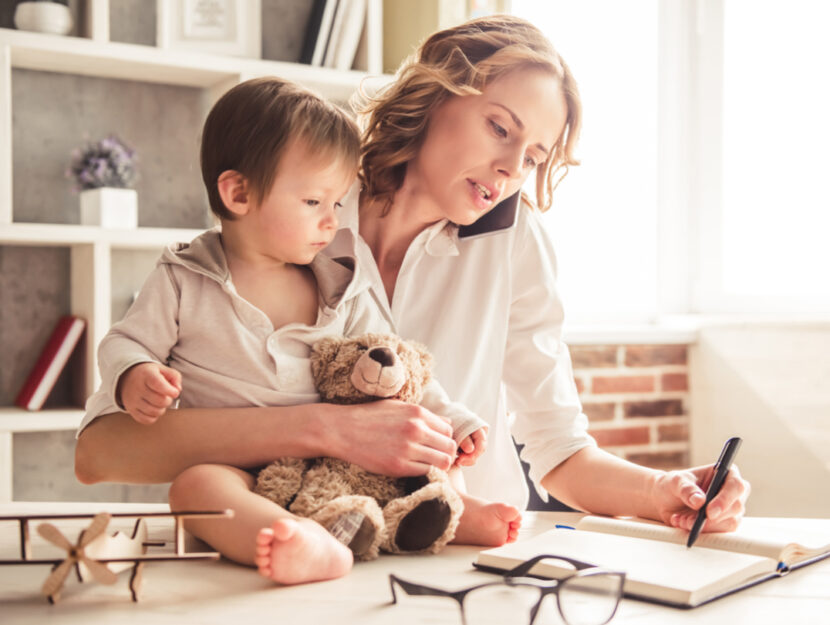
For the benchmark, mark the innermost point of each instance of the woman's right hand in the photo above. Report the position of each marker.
(389, 437)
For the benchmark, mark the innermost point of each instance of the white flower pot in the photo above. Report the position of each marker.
(43, 17)
(109, 208)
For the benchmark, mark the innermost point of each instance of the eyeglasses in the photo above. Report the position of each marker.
(588, 596)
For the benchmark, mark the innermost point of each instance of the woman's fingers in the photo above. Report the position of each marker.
(735, 491)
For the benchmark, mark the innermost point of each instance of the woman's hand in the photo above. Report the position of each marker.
(388, 437)
(678, 495)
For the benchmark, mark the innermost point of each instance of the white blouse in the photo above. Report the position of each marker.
(487, 308)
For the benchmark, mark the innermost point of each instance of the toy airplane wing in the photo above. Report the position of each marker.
(99, 556)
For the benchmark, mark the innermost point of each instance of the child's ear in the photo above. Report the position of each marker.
(235, 192)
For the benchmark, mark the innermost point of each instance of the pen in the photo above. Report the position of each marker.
(727, 455)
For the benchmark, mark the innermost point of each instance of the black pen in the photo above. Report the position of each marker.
(727, 455)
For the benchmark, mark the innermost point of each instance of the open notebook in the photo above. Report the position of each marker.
(659, 567)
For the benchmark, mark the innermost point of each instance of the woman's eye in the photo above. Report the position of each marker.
(337, 205)
(530, 162)
(499, 130)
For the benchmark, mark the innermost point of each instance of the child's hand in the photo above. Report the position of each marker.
(146, 389)
(471, 448)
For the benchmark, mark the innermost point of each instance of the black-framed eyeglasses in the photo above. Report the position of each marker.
(587, 596)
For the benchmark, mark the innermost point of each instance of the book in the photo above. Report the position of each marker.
(658, 565)
(318, 32)
(345, 34)
(50, 363)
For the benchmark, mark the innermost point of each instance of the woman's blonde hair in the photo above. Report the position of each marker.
(460, 61)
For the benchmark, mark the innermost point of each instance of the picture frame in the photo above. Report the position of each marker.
(229, 27)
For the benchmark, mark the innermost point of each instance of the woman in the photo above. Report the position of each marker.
(480, 107)
(475, 112)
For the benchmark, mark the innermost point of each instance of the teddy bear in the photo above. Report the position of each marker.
(366, 511)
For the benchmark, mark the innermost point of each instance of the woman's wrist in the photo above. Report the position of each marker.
(320, 437)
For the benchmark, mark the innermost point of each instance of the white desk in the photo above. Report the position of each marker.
(178, 593)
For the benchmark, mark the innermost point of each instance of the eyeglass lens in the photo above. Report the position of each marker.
(588, 600)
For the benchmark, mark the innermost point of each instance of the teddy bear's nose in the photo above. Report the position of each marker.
(383, 356)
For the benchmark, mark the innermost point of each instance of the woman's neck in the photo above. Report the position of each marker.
(389, 236)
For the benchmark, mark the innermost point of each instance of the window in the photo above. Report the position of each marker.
(604, 215)
(776, 160)
(704, 154)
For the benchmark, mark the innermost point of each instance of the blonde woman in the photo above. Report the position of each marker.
(469, 118)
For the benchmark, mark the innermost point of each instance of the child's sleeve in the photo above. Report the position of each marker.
(464, 422)
(147, 333)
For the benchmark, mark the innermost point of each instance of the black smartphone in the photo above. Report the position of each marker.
(501, 217)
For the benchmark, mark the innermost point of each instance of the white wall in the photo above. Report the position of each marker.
(770, 384)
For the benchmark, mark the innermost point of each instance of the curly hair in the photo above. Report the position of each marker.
(459, 61)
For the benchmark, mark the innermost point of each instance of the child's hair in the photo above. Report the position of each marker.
(460, 61)
(249, 127)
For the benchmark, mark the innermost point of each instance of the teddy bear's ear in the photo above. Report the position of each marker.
(324, 351)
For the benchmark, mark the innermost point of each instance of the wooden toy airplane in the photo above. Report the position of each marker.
(99, 556)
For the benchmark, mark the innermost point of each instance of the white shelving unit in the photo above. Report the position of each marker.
(91, 248)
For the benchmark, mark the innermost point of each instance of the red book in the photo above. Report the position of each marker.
(51, 362)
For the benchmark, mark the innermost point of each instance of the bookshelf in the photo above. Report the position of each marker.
(92, 250)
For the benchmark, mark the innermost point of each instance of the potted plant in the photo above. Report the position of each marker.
(104, 173)
(44, 16)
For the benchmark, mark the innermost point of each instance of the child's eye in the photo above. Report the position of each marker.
(338, 205)
(499, 130)
(312, 202)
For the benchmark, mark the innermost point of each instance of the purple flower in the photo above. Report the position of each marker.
(107, 163)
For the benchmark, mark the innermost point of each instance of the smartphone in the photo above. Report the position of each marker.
(501, 217)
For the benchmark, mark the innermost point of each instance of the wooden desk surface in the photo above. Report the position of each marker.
(220, 592)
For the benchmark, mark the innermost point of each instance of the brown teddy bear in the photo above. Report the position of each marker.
(364, 510)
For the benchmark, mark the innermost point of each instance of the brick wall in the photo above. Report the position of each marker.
(637, 400)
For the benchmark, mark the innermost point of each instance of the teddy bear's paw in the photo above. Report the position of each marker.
(354, 530)
(425, 524)
(356, 521)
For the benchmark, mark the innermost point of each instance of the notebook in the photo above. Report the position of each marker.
(659, 566)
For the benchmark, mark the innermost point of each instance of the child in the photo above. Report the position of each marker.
(228, 320)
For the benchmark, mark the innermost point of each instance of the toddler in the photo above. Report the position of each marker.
(228, 319)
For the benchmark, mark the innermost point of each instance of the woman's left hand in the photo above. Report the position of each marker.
(678, 495)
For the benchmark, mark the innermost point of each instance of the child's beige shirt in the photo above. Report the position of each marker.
(189, 316)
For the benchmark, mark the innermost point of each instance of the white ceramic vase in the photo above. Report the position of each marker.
(43, 17)
(108, 207)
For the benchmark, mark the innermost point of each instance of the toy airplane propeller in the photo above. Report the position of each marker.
(75, 555)
(99, 556)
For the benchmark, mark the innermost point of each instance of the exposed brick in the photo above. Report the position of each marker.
(658, 408)
(589, 356)
(666, 460)
(675, 382)
(621, 436)
(672, 432)
(623, 384)
(580, 385)
(599, 412)
(653, 355)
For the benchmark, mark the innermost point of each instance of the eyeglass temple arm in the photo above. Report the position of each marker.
(411, 588)
(525, 567)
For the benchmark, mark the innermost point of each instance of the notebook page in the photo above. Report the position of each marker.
(654, 568)
(752, 538)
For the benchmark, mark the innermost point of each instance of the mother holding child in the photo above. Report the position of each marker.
(445, 255)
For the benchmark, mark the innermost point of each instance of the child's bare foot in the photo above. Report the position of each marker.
(486, 523)
(294, 551)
